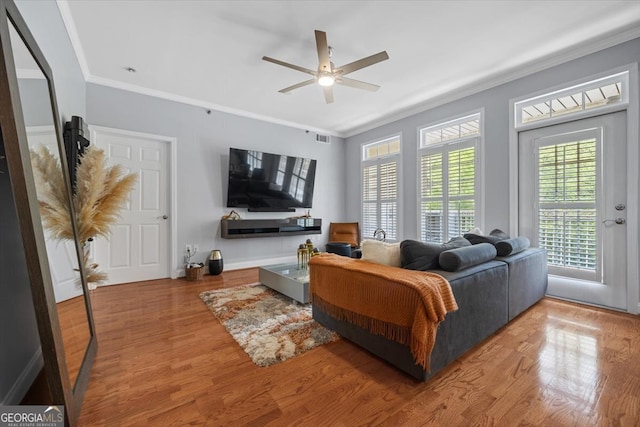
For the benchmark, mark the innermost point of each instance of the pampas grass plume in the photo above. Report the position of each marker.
(101, 193)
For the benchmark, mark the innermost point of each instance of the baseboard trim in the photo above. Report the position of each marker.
(28, 375)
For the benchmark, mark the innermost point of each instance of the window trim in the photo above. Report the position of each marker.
(364, 163)
(480, 194)
(576, 85)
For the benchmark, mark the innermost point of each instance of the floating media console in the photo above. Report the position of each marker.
(243, 228)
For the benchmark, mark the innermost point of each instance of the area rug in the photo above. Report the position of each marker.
(269, 326)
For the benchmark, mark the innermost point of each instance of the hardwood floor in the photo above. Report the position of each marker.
(164, 359)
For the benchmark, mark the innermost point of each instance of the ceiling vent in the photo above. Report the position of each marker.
(325, 139)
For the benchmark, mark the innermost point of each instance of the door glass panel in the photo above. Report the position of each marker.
(567, 205)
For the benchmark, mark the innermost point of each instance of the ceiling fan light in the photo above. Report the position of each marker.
(326, 80)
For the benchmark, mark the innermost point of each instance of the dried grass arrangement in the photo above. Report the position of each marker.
(101, 193)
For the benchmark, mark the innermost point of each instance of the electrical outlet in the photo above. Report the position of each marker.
(188, 249)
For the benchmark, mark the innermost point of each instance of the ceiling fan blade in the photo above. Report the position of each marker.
(296, 86)
(361, 63)
(328, 94)
(286, 64)
(324, 63)
(357, 84)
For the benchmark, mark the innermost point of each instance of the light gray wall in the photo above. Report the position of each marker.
(203, 142)
(19, 339)
(495, 103)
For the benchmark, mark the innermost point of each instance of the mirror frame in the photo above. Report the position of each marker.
(13, 133)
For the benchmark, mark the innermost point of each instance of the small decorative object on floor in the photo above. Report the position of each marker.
(215, 262)
(194, 272)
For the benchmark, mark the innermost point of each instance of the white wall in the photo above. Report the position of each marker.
(203, 142)
(495, 102)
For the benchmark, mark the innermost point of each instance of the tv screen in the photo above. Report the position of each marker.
(269, 182)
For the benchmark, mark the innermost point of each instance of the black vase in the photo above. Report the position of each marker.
(215, 262)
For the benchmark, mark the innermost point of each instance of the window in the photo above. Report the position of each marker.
(380, 167)
(448, 155)
(592, 95)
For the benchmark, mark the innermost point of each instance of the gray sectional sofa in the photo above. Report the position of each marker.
(489, 295)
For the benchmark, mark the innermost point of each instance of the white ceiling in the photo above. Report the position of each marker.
(208, 53)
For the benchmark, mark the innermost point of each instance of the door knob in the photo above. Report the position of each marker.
(617, 221)
(163, 217)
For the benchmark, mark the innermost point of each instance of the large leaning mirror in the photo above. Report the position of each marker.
(40, 180)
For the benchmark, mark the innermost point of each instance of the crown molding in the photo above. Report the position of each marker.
(558, 58)
(67, 18)
(204, 104)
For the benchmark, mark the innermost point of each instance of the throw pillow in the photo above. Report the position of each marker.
(494, 237)
(461, 258)
(499, 233)
(381, 252)
(512, 246)
(422, 256)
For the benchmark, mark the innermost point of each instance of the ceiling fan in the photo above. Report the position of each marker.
(327, 74)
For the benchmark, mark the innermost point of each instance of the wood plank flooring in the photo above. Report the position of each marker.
(165, 360)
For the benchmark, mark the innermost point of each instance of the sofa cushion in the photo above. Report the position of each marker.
(512, 246)
(494, 237)
(381, 252)
(423, 256)
(465, 257)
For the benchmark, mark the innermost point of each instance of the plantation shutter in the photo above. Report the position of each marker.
(380, 199)
(447, 191)
(567, 204)
(369, 200)
(432, 197)
(388, 173)
(461, 185)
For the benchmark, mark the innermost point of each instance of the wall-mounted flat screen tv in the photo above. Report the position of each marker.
(269, 182)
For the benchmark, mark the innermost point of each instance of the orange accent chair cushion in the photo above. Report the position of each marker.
(347, 232)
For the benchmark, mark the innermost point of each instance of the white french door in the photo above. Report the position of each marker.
(138, 246)
(572, 202)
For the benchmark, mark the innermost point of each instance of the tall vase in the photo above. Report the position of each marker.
(215, 262)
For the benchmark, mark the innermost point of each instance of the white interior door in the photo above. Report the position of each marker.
(137, 248)
(63, 260)
(573, 189)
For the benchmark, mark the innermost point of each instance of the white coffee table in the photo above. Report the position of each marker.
(288, 279)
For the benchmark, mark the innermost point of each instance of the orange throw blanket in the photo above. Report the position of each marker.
(402, 305)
